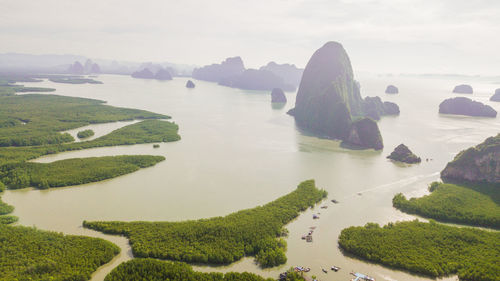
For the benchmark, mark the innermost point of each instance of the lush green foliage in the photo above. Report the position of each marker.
(5, 208)
(8, 219)
(74, 80)
(219, 240)
(30, 254)
(477, 205)
(73, 171)
(428, 248)
(85, 134)
(155, 270)
(22, 89)
(147, 131)
(34, 119)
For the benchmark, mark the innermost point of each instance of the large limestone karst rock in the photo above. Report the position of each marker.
(328, 98)
(479, 164)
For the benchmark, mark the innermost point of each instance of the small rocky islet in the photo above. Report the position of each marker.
(496, 96)
(391, 89)
(403, 154)
(463, 89)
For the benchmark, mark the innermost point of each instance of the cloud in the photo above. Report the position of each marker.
(381, 36)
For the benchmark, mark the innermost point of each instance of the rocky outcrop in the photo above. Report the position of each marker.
(403, 154)
(364, 133)
(76, 68)
(463, 89)
(466, 106)
(163, 74)
(95, 69)
(290, 74)
(328, 98)
(374, 107)
(190, 84)
(144, 74)
(480, 164)
(278, 96)
(253, 79)
(391, 89)
(216, 72)
(496, 96)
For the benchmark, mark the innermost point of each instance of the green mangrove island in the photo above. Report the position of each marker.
(156, 270)
(72, 171)
(85, 134)
(27, 253)
(219, 240)
(431, 248)
(473, 205)
(30, 127)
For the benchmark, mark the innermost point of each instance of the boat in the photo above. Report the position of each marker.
(309, 238)
(361, 277)
(335, 268)
(315, 216)
(303, 237)
(307, 269)
(334, 201)
(324, 207)
(324, 270)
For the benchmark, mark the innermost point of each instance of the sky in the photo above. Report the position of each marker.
(391, 36)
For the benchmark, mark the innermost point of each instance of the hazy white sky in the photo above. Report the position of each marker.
(397, 36)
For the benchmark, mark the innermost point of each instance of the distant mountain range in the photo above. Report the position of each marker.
(15, 62)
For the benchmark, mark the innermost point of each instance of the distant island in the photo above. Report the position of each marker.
(391, 89)
(289, 72)
(496, 96)
(161, 74)
(89, 68)
(374, 108)
(466, 106)
(232, 73)
(230, 67)
(278, 96)
(329, 102)
(190, 84)
(403, 154)
(463, 89)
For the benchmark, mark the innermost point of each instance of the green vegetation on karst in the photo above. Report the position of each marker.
(34, 119)
(74, 80)
(8, 219)
(85, 134)
(479, 164)
(156, 270)
(30, 254)
(147, 131)
(473, 205)
(72, 171)
(219, 240)
(428, 248)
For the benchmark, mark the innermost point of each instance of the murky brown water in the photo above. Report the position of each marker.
(238, 152)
